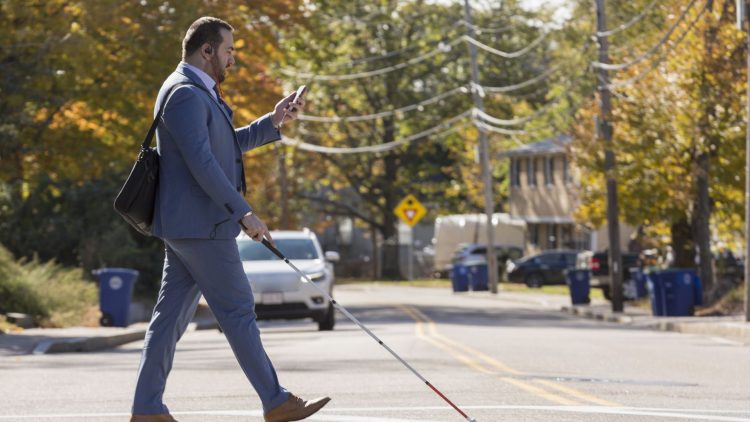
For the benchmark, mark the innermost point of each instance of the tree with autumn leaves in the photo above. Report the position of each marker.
(77, 91)
(678, 133)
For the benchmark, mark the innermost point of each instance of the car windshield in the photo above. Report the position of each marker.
(251, 250)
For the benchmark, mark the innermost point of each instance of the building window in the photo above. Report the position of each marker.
(566, 236)
(515, 172)
(566, 171)
(533, 234)
(531, 171)
(549, 171)
(552, 236)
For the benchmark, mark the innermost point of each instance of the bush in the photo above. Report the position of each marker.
(54, 295)
(75, 224)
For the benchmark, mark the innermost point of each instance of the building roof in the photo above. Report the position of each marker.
(554, 145)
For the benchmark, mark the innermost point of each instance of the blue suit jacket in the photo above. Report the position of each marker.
(200, 169)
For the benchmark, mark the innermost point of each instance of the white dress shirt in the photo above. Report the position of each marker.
(208, 81)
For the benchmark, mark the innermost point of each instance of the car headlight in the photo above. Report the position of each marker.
(316, 276)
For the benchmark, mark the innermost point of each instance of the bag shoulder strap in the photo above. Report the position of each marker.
(150, 135)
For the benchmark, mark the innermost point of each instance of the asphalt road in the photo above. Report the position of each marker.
(499, 359)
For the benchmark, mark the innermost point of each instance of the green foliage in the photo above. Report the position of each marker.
(690, 104)
(77, 86)
(74, 224)
(441, 171)
(56, 296)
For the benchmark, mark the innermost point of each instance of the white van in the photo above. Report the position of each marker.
(452, 231)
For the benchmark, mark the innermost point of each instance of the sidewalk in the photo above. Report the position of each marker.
(727, 326)
(86, 339)
(732, 327)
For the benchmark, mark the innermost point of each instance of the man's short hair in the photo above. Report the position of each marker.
(206, 29)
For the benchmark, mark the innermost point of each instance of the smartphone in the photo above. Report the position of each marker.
(300, 92)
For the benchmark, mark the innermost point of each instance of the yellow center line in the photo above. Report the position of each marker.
(468, 362)
(538, 391)
(576, 393)
(490, 360)
(420, 318)
(438, 338)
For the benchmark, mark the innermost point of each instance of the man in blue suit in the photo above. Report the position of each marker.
(199, 212)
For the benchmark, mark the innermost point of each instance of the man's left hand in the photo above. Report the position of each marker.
(286, 110)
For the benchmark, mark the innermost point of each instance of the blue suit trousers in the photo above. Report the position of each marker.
(213, 268)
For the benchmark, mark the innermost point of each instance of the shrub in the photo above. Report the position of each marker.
(54, 295)
(80, 228)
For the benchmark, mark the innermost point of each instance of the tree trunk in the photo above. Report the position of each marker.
(391, 258)
(682, 244)
(701, 222)
(702, 215)
(376, 269)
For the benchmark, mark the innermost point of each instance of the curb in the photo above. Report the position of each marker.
(734, 329)
(91, 344)
(591, 314)
(87, 344)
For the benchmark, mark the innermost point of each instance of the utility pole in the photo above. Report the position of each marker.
(605, 133)
(484, 156)
(743, 14)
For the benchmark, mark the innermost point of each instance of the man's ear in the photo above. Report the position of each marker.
(207, 49)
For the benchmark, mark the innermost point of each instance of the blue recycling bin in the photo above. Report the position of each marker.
(674, 292)
(635, 285)
(579, 284)
(460, 278)
(115, 293)
(478, 277)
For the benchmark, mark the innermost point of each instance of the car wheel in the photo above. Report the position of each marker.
(329, 320)
(534, 280)
(605, 293)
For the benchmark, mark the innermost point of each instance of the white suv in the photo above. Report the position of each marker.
(280, 293)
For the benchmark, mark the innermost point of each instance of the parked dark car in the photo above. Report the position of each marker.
(547, 267)
(475, 253)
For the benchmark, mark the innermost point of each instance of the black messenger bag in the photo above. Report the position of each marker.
(135, 202)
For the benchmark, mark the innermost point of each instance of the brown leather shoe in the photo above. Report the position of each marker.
(164, 417)
(294, 409)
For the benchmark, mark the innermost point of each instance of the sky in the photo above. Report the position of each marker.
(562, 13)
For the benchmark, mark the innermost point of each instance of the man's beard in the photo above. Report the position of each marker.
(220, 72)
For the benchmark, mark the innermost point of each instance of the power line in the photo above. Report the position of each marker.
(495, 30)
(366, 117)
(637, 78)
(389, 54)
(383, 56)
(503, 131)
(518, 120)
(629, 23)
(651, 50)
(444, 48)
(518, 86)
(515, 87)
(444, 129)
(506, 54)
(439, 97)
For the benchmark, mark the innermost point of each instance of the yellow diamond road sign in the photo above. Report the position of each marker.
(410, 210)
